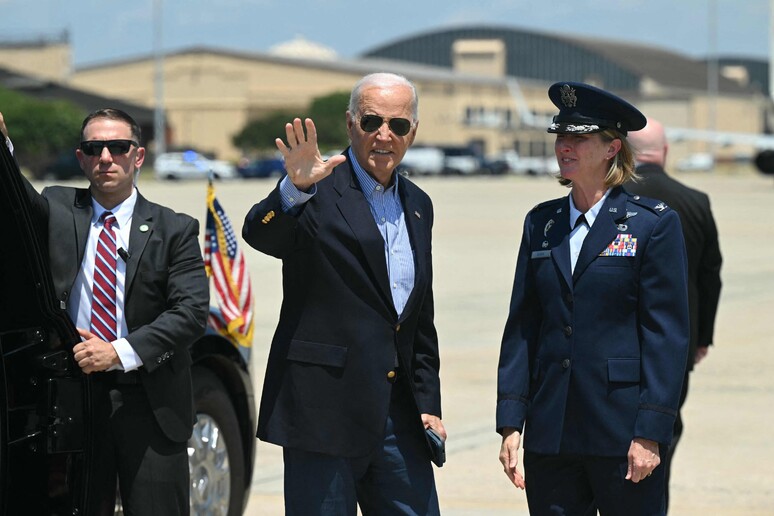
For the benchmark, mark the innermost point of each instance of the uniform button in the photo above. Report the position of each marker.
(391, 375)
(568, 330)
(566, 363)
(397, 327)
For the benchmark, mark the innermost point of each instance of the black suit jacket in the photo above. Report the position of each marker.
(166, 295)
(701, 244)
(327, 388)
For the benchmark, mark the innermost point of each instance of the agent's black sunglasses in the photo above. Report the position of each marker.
(371, 123)
(115, 147)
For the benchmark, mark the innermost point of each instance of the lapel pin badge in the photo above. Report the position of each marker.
(548, 226)
(144, 228)
(417, 214)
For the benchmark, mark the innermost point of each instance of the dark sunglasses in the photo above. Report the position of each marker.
(115, 147)
(371, 123)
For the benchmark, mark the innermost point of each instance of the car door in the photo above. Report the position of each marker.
(44, 432)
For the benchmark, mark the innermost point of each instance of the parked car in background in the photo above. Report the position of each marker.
(64, 166)
(460, 160)
(421, 160)
(527, 165)
(701, 161)
(191, 165)
(266, 167)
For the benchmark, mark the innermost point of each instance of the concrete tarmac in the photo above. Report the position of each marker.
(723, 465)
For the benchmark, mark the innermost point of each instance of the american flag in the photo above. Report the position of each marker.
(226, 266)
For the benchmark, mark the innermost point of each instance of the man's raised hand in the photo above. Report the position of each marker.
(303, 161)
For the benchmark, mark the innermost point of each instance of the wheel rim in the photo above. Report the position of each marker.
(209, 468)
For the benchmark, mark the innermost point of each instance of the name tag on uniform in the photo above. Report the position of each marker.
(623, 245)
(541, 254)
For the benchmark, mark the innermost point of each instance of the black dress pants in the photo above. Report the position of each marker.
(129, 445)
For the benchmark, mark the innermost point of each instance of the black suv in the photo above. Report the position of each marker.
(46, 437)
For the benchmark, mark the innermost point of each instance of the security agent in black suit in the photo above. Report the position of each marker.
(141, 381)
(701, 244)
(352, 376)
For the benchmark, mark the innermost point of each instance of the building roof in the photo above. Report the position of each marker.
(551, 57)
(300, 47)
(359, 66)
(48, 90)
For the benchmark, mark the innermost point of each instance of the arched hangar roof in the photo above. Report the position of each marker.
(550, 57)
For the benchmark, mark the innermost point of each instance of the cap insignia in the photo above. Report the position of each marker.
(568, 96)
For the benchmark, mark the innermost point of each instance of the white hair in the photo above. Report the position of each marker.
(382, 79)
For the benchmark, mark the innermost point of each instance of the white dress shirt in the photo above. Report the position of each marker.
(79, 302)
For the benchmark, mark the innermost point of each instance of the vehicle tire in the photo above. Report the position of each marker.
(215, 452)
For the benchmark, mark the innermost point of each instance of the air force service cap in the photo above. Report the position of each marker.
(586, 109)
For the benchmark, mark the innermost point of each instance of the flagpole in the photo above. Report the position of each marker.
(159, 125)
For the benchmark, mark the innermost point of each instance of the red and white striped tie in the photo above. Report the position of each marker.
(103, 304)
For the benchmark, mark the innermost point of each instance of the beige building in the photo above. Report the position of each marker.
(482, 87)
(46, 58)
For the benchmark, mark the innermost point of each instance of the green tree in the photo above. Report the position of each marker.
(41, 130)
(326, 111)
(259, 134)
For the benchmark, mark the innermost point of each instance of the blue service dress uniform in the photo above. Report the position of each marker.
(593, 358)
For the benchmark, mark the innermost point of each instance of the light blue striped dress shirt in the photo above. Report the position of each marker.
(387, 211)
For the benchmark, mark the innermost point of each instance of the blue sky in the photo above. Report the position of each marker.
(104, 30)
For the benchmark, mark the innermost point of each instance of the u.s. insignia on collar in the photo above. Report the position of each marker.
(613, 210)
(660, 206)
(548, 226)
(568, 96)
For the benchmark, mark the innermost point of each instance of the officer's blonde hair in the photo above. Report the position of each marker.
(621, 165)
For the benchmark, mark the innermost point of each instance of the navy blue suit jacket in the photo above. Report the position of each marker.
(326, 388)
(592, 359)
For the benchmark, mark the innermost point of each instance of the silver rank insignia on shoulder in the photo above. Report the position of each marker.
(545, 244)
(548, 226)
(660, 206)
(622, 227)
